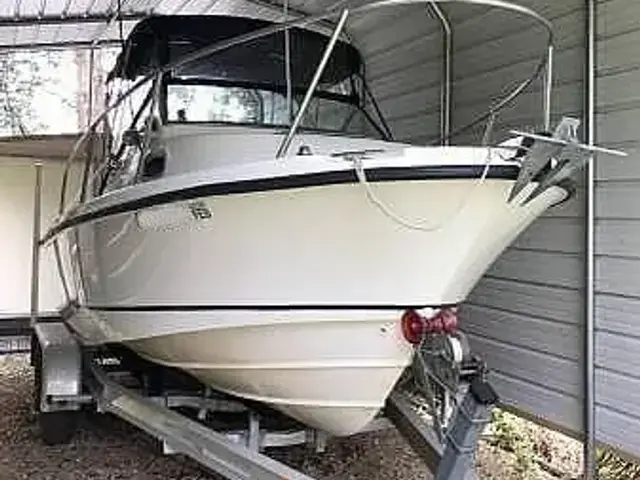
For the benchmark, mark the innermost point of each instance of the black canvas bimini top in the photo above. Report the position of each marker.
(159, 40)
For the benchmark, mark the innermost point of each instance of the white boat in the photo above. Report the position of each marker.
(280, 278)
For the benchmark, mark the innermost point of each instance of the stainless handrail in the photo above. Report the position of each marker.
(447, 73)
(301, 22)
(286, 141)
(548, 85)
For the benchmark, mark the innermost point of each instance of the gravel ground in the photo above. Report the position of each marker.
(108, 448)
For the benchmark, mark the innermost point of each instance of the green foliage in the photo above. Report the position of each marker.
(510, 434)
(507, 436)
(22, 75)
(612, 466)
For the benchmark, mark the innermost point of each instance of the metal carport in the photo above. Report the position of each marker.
(556, 315)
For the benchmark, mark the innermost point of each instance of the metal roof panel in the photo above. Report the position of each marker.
(38, 23)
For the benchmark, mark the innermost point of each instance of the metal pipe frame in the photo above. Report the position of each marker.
(276, 7)
(66, 19)
(447, 74)
(548, 88)
(55, 46)
(302, 22)
(107, 19)
(286, 142)
(590, 472)
(91, 126)
(92, 55)
(60, 267)
(35, 250)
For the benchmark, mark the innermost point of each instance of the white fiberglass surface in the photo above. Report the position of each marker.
(321, 244)
(309, 246)
(303, 362)
(204, 155)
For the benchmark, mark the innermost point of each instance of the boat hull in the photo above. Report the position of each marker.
(285, 282)
(293, 297)
(319, 246)
(331, 370)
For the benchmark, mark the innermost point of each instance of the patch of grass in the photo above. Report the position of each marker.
(508, 436)
(533, 451)
(612, 466)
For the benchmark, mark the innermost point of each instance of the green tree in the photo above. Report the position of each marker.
(22, 75)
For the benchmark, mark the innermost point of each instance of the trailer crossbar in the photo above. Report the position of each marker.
(182, 435)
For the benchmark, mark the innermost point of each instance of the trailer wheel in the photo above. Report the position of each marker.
(36, 360)
(34, 350)
(55, 427)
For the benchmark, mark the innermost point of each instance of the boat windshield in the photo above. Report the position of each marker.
(265, 107)
(246, 83)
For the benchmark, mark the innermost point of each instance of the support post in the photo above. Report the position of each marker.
(590, 469)
(90, 96)
(35, 245)
(284, 146)
(454, 457)
(548, 88)
(253, 440)
(447, 74)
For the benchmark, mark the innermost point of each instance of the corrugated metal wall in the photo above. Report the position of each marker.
(618, 226)
(526, 315)
(403, 61)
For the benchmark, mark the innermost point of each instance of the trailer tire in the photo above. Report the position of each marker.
(55, 427)
(36, 361)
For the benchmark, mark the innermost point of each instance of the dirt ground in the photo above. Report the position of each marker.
(108, 448)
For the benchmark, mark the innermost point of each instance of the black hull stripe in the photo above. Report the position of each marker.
(213, 308)
(385, 174)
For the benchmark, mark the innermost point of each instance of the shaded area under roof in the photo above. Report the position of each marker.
(79, 23)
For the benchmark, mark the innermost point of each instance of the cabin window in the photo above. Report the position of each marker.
(211, 103)
(263, 107)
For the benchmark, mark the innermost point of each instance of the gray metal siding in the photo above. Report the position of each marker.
(618, 227)
(403, 61)
(525, 315)
(495, 52)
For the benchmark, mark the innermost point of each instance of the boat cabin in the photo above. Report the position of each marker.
(247, 84)
(241, 99)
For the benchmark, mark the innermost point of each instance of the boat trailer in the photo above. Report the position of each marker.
(70, 377)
